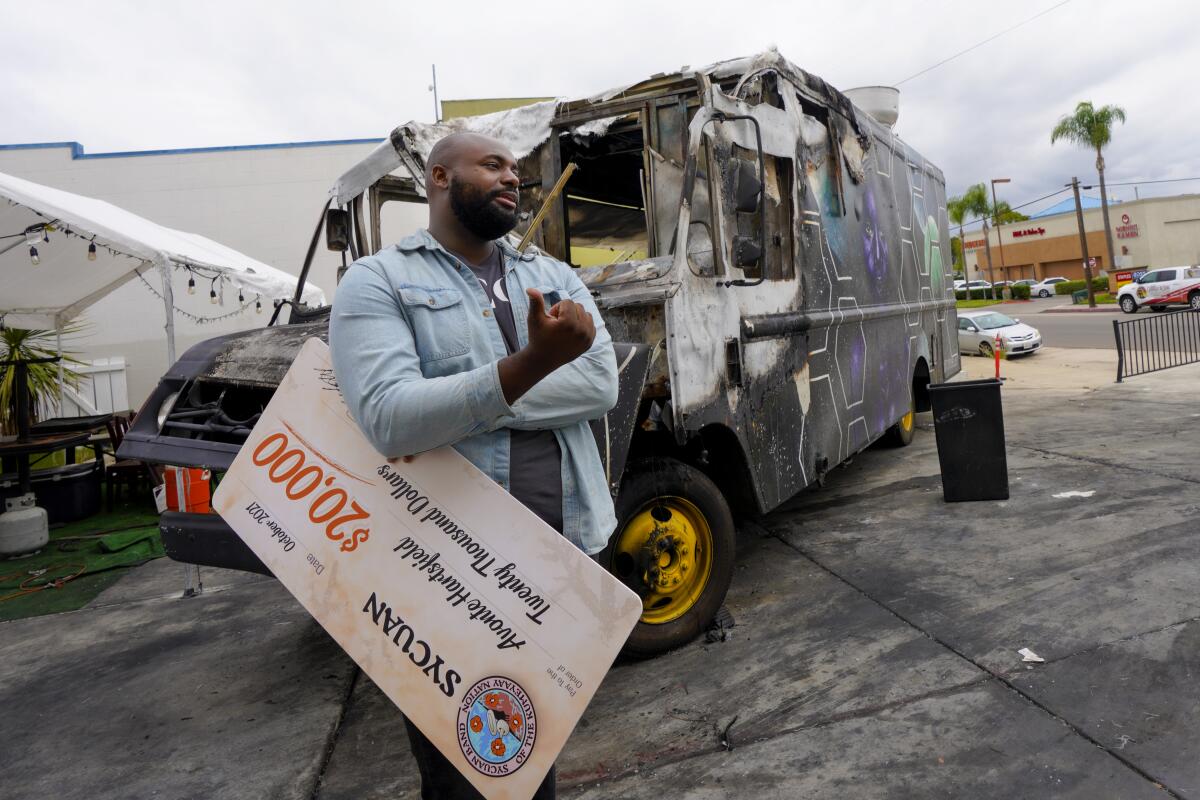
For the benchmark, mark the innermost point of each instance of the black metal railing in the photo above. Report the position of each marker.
(1153, 343)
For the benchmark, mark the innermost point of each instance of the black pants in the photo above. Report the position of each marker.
(441, 781)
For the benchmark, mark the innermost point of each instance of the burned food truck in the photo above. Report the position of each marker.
(769, 257)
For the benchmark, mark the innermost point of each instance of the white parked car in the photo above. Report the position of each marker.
(1025, 282)
(1160, 288)
(978, 329)
(1046, 287)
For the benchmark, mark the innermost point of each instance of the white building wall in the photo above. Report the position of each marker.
(264, 201)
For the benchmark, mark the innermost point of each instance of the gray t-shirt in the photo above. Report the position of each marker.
(535, 464)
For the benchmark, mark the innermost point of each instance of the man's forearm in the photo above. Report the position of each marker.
(519, 373)
(585, 389)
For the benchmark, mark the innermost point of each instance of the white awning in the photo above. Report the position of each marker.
(65, 282)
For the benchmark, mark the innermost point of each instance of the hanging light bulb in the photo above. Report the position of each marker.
(240, 298)
(191, 285)
(33, 256)
(46, 235)
(212, 296)
(258, 305)
(91, 251)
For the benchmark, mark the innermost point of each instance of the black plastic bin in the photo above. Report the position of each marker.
(968, 421)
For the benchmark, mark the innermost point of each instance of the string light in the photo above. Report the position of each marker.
(240, 298)
(258, 304)
(193, 317)
(91, 251)
(33, 255)
(46, 234)
(191, 285)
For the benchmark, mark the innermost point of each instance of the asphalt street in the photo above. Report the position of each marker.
(1092, 329)
(875, 652)
(1075, 329)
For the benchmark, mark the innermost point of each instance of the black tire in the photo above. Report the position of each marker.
(1194, 301)
(1043, 293)
(1129, 305)
(654, 486)
(985, 350)
(901, 434)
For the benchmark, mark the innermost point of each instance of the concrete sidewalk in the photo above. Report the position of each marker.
(874, 655)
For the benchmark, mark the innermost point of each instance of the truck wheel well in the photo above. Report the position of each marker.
(721, 457)
(920, 386)
(715, 451)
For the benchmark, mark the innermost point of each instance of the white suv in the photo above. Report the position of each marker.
(1046, 287)
(1159, 288)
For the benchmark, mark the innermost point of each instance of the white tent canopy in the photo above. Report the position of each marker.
(65, 282)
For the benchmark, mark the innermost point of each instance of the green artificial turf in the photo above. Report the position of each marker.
(104, 547)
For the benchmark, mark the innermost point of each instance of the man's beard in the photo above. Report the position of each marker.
(478, 212)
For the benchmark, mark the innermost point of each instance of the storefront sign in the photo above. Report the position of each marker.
(1126, 230)
(1123, 278)
(487, 628)
(974, 244)
(1028, 232)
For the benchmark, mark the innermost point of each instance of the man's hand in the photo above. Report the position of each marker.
(562, 335)
(555, 339)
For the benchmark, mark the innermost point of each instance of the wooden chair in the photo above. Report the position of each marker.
(127, 470)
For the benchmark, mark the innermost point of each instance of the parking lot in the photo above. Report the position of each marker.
(874, 652)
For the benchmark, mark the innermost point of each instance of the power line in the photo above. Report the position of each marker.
(1143, 183)
(985, 41)
(1014, 208)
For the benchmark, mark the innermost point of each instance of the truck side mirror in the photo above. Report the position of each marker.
(747, 188)
(337, 229)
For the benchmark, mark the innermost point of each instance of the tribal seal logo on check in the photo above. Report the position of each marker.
(496, 726)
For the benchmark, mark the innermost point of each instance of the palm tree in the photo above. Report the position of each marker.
(1092, 127)
(1003, 213)
(971, 204)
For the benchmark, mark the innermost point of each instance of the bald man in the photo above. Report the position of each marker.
(452, 337)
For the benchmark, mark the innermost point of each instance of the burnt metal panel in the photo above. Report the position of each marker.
(614, 431)
(554, 225)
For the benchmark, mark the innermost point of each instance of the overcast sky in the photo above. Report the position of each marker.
(123, 75)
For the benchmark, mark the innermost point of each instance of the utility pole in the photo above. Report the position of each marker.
(437, 107)
(1087, 267)
(999, 233)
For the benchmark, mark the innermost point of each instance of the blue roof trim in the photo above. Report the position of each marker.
(1068, 206)
(77, 151)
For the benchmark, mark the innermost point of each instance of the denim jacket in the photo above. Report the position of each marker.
(415, 350)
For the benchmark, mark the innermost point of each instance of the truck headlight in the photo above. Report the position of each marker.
(165, 408)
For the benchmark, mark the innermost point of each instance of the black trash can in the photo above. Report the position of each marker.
(968, 423)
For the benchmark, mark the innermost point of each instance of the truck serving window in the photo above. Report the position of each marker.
(605, 205)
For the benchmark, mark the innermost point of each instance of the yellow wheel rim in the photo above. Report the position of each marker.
(906, 422)
(665, 553)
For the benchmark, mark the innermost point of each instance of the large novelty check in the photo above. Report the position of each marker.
(487, 628)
